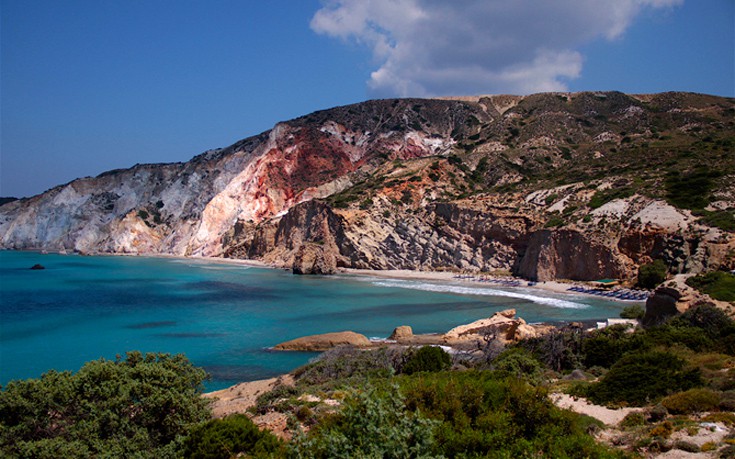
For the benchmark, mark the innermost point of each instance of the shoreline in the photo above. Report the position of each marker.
(559, 286)
(556, 286)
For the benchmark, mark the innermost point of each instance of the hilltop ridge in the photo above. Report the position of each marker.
(553, 185)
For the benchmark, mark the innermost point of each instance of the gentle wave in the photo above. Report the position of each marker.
(207, 264)
(439, 288)
(222, 268)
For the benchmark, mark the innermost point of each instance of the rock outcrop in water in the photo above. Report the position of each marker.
(315, 343)
(580, 186)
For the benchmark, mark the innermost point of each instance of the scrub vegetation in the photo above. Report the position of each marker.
(395, 402)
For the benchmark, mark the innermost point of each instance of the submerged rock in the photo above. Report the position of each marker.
(37, 267)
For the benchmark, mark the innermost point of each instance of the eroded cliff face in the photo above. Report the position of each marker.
(579, 186)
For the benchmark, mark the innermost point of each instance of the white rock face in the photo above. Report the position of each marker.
(662, 215)
(191, 208)
(145, 209)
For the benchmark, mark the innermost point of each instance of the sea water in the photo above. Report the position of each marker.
(226, 317)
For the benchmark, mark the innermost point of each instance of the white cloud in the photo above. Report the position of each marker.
(439, 47)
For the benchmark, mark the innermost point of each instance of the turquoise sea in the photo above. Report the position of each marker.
(224, 317)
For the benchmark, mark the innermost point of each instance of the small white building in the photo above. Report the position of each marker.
(632, 323)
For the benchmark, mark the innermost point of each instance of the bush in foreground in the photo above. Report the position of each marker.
(692, 401)
(372, 423)
(229, 437)
(427, 358)
(140, 406)
(344, 365)
(487, 414)
(639, 378)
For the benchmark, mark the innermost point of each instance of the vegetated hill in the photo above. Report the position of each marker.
(554, 185)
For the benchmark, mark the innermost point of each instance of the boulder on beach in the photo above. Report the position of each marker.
(314, 259)
(503, 326)
(323, 342)
(401, 333)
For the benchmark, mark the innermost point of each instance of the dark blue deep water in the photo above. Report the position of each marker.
(224, 317)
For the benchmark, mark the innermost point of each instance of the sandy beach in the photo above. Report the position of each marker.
(558, 287)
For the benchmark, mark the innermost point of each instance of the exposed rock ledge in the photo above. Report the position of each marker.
(324, 342)
(503, 326)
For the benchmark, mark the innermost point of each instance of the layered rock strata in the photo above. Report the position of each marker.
(546, 186)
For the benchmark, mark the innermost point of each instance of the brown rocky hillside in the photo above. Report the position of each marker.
(555, 185)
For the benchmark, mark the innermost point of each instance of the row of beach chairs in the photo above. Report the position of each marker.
(621, 294)
(494, 280)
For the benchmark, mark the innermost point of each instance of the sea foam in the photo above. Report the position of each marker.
(448, 288)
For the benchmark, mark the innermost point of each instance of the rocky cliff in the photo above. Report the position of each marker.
(579, 186)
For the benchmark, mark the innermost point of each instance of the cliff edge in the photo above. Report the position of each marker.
(557, 185)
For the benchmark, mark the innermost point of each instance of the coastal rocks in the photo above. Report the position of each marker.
(37, 267)
(318, 343)
(401, 333)
(567, 254)
(410, 184)
(314, 259)
(661, 305)
(404, 336)
(308, 239)
(503, 326)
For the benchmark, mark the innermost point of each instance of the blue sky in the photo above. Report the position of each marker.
(88, 86)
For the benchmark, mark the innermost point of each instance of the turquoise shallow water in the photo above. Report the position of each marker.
(224, 317)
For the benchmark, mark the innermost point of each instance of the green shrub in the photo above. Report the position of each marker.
(484, 414)
(709, 318)
(602, 348)
(717, 284)
(406, 197)
(229, 437)
(692, 190)
(691, 401)
(372, 423)
(279, 399)
(366, 204)
(727, 418)
(343, 365)
(657, 413)
(554, 222)
(723, 219)
(519, 363)
(727, 401)
(641, 377)
(427, 358)
(603, 197)
(140, 406)
(673, 333)
(634, 311)
(560, 349)
(634, 419)
(652, 274)
(663, 430)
